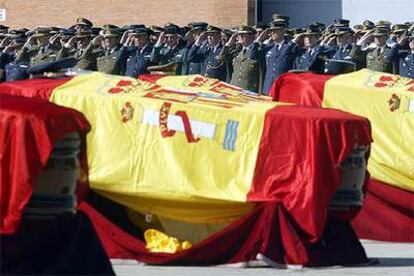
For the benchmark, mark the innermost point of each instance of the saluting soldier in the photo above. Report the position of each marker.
(82, 24)
(167, 47)
(189, 67)
(114, 56)
(314, 54)
(405, 59)
(248, 64)
(81, 47)
(139, 53)
(42, 52)
(213, 64)
(279, 54)
(378, 58)
(344, 36)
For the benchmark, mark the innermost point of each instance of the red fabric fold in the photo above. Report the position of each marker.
(304, 89)
(387, 214)
(36, 88)
(29, 128)
(268, 229)
(298, 161)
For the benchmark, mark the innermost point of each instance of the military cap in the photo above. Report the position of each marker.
(409, 23)
(357, 27)
(246, 30)
(277, 16)
(131, 27)
(226, 32)
(380, 31)
(197, 25)
(67, 32)
(171, 30)
(54, 30)
(41, 31)
(278, 24)
(341, 22)
(368, 23)
(110, 30)
(16, 33)
(84, 22)
(312, 30)
(262, 26)
(83, 33)
(171, 25)
(319, 24)
(336, 67)
(399, 28)
(3, 29)
(156, 29)
(343, 30)
(140, 31)
(297, 31)
(367, 26)
(383, 23)
(213, 29)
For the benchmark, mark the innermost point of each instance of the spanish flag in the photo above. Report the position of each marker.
(387, 100)
(199, 150)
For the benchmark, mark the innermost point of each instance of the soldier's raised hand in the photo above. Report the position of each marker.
(232, 40)
(161, 40)
(30, 41)
(71, 42)
(6, 41)
(97, 41)
(402, 39)
(263, 36)
(201, 37)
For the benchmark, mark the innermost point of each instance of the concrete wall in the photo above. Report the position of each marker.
(30, 13)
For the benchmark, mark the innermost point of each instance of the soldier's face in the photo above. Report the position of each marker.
(171, 40)
(344, 39)
(310, 41)
(83, 42)
(141, 40)
(278, 34)
(246, 39)
(380, 40)
(411, 43)
(213, 39)
(111, 42)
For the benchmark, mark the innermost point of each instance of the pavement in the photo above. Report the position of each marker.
(385, 259)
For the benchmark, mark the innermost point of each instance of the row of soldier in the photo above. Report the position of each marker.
(248, 57)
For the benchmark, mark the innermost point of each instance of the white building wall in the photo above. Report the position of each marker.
(396, 11)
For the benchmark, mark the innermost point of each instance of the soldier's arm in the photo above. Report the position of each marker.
(155, 54)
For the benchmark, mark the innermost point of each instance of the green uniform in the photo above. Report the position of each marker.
(376, 59)
(35, 55)
(248, 67)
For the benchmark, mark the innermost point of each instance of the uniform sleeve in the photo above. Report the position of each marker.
(155, 55)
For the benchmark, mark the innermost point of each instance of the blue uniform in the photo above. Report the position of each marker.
(138, 61)
(342, 53)
(278, 61)
(406, 65)
(187, 67)
(311, 60)
(404, 59)
(5, 58)
(17, 71)
(213, 64)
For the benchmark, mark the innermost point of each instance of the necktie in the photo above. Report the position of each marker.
(378, 51)
(277, 48)
(244, 51)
